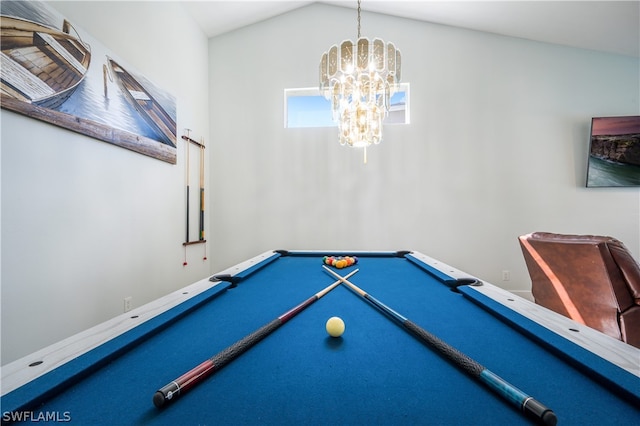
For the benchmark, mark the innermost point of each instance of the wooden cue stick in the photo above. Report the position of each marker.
(179, 386)
(188, 145)
(201, 235)
(527, 404)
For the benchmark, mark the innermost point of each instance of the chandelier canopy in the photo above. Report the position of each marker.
(359, 79)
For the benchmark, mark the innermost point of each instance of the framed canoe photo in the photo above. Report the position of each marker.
(57, 73)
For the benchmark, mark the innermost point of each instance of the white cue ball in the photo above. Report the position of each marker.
(335, 326)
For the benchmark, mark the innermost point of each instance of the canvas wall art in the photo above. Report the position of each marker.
(55, 72)
(614, 152)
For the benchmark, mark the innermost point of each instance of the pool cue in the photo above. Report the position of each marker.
(524, 402)
(201, 235)
(187, 144)
(176, 388)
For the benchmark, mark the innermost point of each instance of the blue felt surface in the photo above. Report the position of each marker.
(377, 373)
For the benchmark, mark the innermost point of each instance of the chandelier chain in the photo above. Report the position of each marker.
(358, 18)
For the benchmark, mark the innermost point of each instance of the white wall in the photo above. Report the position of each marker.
(497, 146)
(84, 223)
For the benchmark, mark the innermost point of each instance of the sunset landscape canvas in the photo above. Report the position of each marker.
(614, 152)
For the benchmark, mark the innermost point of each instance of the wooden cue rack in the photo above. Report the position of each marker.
(201, 239)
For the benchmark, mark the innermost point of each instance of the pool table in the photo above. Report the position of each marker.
(375, 373)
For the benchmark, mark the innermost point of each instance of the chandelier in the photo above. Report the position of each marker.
(359, 80)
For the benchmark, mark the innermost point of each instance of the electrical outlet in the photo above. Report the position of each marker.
(127, 303)
(506, 275)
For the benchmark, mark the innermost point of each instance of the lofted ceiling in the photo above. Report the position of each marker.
(608, 26)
